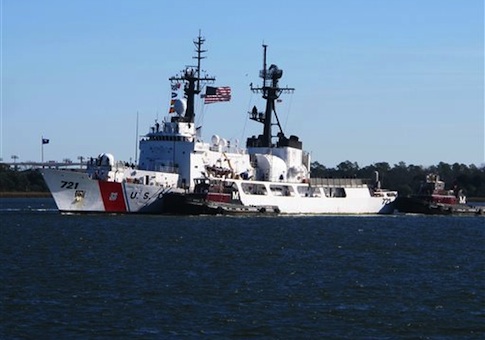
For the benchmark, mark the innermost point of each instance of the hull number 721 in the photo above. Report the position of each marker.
(69, 185)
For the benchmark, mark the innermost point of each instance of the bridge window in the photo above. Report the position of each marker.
(334, 192)
(308, 191)
(254, 189)
(281, 190)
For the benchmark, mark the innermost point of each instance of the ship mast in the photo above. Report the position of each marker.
(270, 92)
(191, 78)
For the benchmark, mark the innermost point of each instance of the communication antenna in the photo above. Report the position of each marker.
(270, 92)
(191, 78)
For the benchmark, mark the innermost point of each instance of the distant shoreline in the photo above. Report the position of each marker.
(31, 194)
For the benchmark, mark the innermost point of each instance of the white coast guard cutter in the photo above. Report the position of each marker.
(179, 173)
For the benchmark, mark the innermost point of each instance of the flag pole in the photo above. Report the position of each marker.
(42, 149)
(136, 140)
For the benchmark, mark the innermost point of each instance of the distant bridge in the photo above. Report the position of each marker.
(39, 165)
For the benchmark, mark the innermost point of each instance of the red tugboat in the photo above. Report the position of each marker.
(434, 199)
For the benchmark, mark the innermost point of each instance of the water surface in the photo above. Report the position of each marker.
(105, 276)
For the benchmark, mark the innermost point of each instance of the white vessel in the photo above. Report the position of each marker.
(177, 172)
(275, 175)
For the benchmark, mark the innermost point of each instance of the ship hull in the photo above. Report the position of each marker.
(76, 192)
(300, 199)
(178, 204)
(326, 205)
(303, 198)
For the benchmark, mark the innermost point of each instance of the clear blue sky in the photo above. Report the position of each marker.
(376, 80)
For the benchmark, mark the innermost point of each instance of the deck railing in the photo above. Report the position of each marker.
(341, 182)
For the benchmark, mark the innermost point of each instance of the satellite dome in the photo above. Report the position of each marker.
(180, 106)
(215, 140)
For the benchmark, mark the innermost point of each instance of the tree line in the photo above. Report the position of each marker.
(12, 180)
(406, 179)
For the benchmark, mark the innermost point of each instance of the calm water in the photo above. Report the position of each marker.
(155, 277)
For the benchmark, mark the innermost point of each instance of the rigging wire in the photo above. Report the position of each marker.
(289, 111)
(246, 119)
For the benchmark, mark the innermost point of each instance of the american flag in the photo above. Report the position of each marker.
(217, 94)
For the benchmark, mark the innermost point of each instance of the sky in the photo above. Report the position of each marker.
(375, 80)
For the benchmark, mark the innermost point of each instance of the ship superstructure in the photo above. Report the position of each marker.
(283, 160)
(176, 144)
